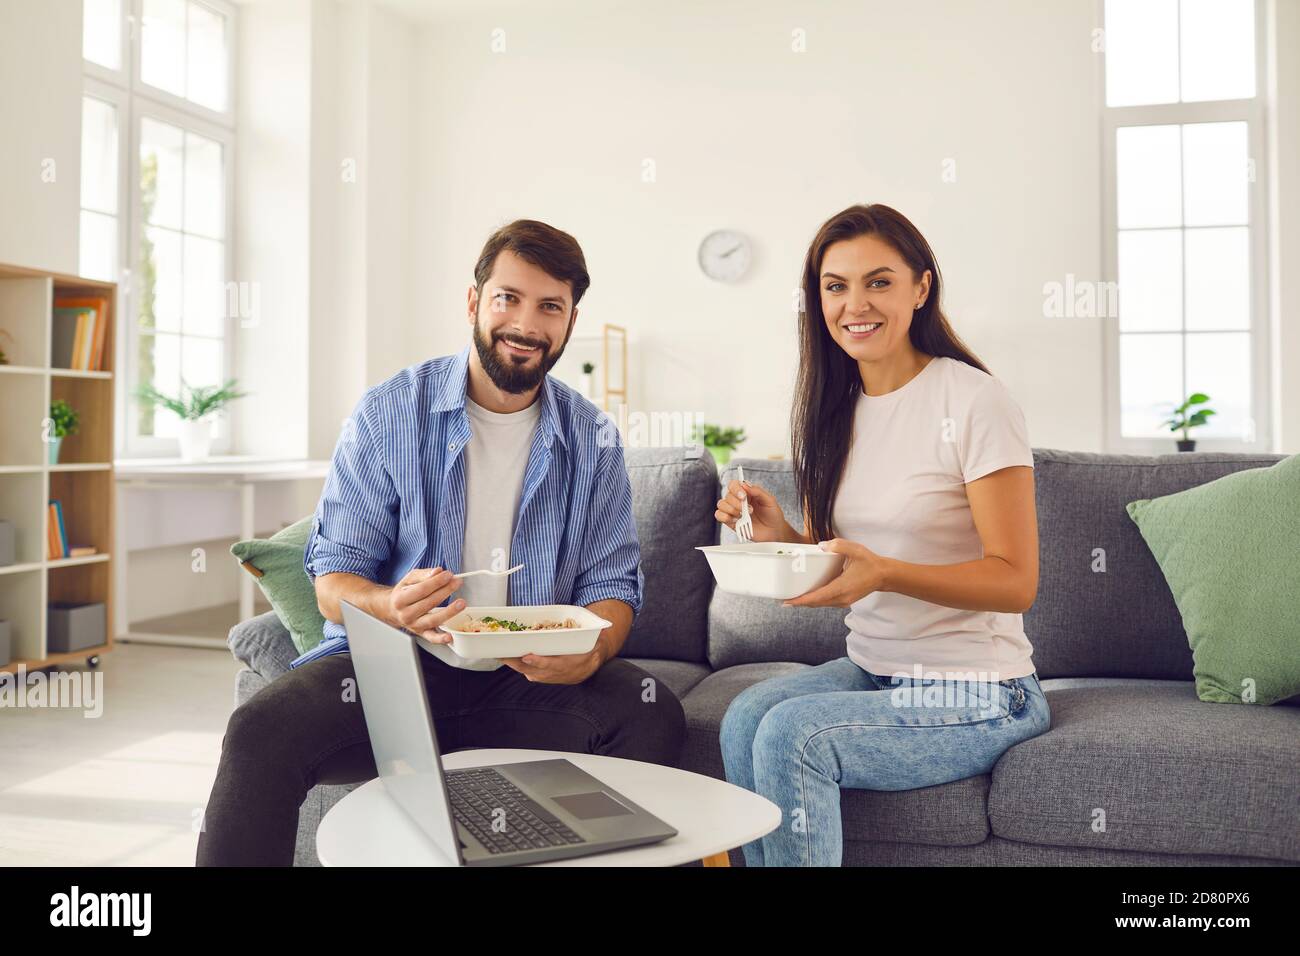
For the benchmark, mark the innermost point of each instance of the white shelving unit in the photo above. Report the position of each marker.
(82, 481)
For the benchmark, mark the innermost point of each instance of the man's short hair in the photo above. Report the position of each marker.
(554, 252)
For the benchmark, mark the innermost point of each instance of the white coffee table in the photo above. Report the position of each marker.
(366, 828)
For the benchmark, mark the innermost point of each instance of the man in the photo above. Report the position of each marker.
(479, 460)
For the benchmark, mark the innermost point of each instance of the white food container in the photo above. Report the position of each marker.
(771, 569)
(492, 645)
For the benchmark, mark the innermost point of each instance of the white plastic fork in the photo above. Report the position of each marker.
(744, 524)
(495, 574)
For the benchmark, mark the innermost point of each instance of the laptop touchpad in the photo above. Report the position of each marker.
(588, 806)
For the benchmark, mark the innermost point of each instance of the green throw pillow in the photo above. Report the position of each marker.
(285, 582)
(1230, 551)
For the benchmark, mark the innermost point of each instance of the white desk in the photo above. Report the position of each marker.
(237, 473)
(366, 828)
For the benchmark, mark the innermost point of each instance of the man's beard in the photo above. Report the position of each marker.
(514, 374)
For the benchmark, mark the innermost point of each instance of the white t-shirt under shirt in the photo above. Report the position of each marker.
(496, 457)
(903, 496)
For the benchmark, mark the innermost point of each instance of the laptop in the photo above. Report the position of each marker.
(504, 815)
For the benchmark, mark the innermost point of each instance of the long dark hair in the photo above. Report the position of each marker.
(821, 422)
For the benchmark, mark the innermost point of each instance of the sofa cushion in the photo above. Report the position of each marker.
(705, 704)
(262, 644)
(952, 814)
(1230, 552)
(673, 494)
(678, 676)
(247, 683)
(1171, 773)
(276, 562)
(1103, 607)
(747, 630)
(996, 851)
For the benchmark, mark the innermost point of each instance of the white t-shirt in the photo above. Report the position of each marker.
(903, 496)
(496, 457)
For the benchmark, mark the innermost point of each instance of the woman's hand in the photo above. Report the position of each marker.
(769, 521)
(863, 574)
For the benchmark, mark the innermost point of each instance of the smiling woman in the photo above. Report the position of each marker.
(867, 266)
(913, 466)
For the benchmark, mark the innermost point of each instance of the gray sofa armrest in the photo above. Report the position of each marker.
(263, 645)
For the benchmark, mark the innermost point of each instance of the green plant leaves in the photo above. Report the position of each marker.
(193, 403)
(1182, 421)
(66, 420)
(715, 436)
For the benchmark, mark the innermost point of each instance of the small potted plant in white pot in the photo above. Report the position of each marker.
(196, 408)
(64, 421)
(1183, 422)
(584, 383)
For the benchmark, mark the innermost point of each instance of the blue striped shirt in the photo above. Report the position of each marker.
(395, 496)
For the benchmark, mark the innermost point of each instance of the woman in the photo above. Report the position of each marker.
(913, 462)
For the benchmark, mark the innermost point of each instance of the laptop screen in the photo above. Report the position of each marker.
(402, 735)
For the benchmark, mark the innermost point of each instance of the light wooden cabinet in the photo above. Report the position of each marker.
(82, 480)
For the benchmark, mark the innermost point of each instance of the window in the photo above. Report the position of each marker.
(99, 187)
(1185, 231)
(157, 162)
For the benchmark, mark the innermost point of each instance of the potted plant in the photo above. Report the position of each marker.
(720, 442)
(195, 407)
(584, 384)
(1183, 422)
(64, 421)
(4, 359)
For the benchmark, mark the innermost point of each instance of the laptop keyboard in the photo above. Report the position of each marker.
(478, 796)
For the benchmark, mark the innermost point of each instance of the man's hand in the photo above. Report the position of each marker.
(558, 668)
(576, 668)
(413, 602)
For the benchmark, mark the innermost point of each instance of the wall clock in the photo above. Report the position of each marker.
(725, 255)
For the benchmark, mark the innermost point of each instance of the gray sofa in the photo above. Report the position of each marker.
(1179, 781)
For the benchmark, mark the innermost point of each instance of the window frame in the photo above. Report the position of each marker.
(118, 98)
(135, 100)
(221, 441)
(179, 103)
(1254, 113)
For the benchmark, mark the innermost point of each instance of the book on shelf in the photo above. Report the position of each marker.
(81, 551)
(51, 533)
(80, 332)
(58, 533)
(68, 336)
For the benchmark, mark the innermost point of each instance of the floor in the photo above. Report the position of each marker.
(208, 622)
(125, 788)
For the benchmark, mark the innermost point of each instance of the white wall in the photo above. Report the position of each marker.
(361, 162)
(1284, 165)
(338, 263)
(272, 224)
(390, 106)
(749, 135)
(40, 125)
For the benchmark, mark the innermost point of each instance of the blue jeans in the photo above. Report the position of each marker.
(798, 739)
